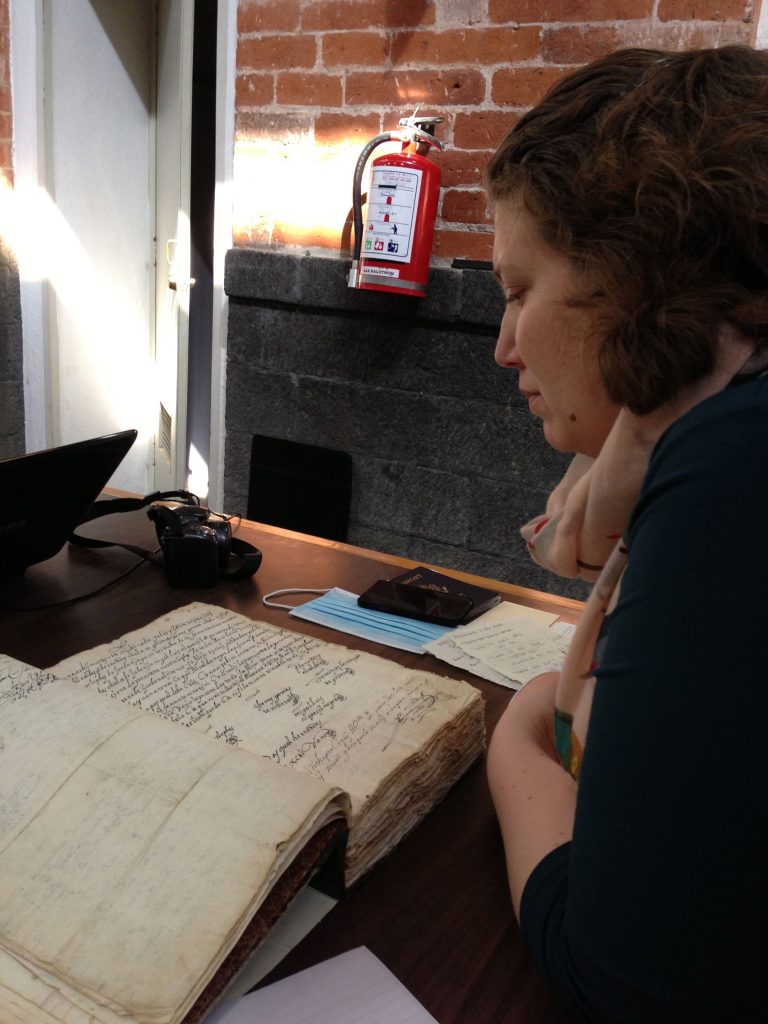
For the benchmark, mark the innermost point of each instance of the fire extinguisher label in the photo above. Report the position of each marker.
(393, 198)
(370, 271)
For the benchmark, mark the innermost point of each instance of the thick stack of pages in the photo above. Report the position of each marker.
(139, 835)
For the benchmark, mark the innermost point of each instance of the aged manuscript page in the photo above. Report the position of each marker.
(120, 834)
(341, 716)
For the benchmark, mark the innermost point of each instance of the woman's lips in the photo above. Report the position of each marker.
(529, 396)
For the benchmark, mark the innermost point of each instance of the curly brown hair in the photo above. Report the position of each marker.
(649, 170)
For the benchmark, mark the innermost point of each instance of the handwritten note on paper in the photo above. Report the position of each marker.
(452, 650)
(518, 649)
(446, 649)
(339, 715)
(354, 988)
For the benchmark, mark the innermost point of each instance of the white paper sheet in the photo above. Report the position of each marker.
(480, 647)
(354, 988)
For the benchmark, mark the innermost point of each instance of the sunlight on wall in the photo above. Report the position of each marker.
(292, 189)
(198, 473)
(99, 313)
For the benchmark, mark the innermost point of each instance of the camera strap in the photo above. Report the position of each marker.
(248, 556)
(109, 506)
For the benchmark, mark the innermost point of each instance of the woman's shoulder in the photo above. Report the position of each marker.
(734, 417)
(717, 450)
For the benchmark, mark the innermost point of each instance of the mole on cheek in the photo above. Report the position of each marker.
(572, 417)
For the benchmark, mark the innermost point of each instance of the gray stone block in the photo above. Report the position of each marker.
(378, 539)
(482, 301)
(10, 295)
(499, 509)
(424, 358)
(11, 355)
(11, 419)
(443, 299)
(235, 504)
(237, 462)
(385, 305)
(463, 437)
(261, 274)
(322, 282)
(331, 413)
(526, 573)
(244, 334)
(412, 500)
(261, 403)
(313, 344)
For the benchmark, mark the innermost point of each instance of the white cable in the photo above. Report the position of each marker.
(289, 607)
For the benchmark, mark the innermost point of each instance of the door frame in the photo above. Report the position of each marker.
(27, 48)
(226, 73)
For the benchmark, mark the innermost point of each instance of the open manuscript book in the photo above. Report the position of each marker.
(140, 835)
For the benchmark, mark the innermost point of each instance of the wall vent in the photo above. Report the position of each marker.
(164, 431)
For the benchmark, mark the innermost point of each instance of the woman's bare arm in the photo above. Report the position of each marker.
(534, 797)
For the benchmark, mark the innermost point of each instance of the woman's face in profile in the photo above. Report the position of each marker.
(551, 342)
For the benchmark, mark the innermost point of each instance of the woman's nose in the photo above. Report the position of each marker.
(506, 351)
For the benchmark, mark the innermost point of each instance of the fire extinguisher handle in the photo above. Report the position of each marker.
(416, 135)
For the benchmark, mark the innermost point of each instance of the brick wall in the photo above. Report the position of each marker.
(317, 78)
(11, 375)
(447, 463)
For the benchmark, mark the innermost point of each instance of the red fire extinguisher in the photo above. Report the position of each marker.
(393, 245)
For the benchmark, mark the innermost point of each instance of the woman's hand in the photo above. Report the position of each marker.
(534, 797)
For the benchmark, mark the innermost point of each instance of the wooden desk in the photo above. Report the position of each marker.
(437, 910)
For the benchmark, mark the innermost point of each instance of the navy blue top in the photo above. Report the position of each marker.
(657, 911)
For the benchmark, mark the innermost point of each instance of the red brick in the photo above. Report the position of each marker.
(465, 206)
(705, 10)
(332, 129)
(272, 53)
(683, 35)
(406, 88)
(350, 49)
(483, 129)
(5, 126)
(578, 44)
(466, 46)
(6, 161)
(460, 167)
(294, 234)
(327, 15)
(267, 16)
(546, 11)
(246, 235)
(309, 89)
(254, 90)
(522, 87)
(254, 125)
(469, 245)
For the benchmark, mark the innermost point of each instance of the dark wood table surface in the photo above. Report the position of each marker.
(437, 910)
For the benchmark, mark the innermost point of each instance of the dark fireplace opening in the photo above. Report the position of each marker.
(301, 487)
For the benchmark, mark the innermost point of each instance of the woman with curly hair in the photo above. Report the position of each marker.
(631, 210)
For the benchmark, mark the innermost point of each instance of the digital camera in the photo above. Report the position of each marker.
(196, 543)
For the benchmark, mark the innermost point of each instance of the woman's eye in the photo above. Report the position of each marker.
(513, 297)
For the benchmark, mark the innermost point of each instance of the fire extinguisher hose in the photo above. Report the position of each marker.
(357, 203)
